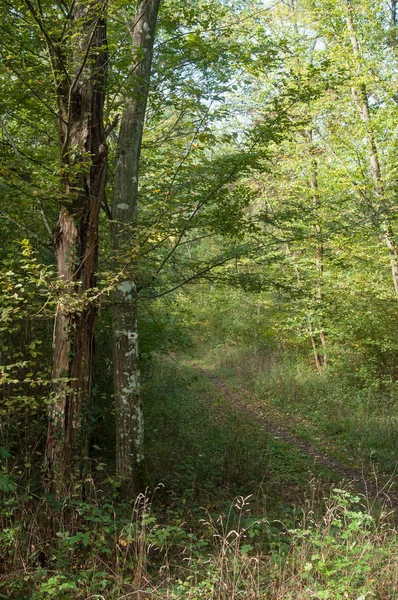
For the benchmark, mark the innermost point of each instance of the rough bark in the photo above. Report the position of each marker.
(381, 210)
(81, 94)
(128, 404)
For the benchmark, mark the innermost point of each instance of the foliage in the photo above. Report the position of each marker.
(264, 249)
(27, 300)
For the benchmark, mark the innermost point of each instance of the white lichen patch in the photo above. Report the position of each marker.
(138, 438)
(131, 387)
(125, 287)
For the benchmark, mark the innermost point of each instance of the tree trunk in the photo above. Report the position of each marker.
(314, 343)
(81, 96)
(129, 415)
(317, 356)
(362, 100)
(319, 252)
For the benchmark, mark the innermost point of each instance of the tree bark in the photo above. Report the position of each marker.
(81, 96)
(128, 404)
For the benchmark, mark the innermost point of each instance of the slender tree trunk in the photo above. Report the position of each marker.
(361, 97)
(320, 363)
(319, 252)
(81, 95)
(317, 356)
(129, 415)
(314, 342)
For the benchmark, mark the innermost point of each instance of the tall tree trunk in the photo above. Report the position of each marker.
(129, 415)
(314, 342)
(361, 97)
(81, 96)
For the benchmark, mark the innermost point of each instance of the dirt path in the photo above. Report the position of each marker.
(355, 476)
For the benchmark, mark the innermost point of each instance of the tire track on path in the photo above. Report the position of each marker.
(354, 476)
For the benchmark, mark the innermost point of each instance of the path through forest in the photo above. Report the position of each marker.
(363, 482)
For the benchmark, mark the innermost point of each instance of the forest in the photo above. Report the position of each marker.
(198, 296)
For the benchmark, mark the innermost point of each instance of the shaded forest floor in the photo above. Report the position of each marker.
(276, 423)
(231, 512)
(344, 425)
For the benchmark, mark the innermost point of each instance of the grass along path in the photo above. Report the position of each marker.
(266, 416)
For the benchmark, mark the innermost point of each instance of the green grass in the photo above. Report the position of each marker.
(204, 450)
(357, 424)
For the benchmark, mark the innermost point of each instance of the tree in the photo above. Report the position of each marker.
(380, 205)
(192, 69)
(129, 417)
(77, 53)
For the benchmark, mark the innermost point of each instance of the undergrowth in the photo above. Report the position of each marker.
(116, 552)
(233, 517)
